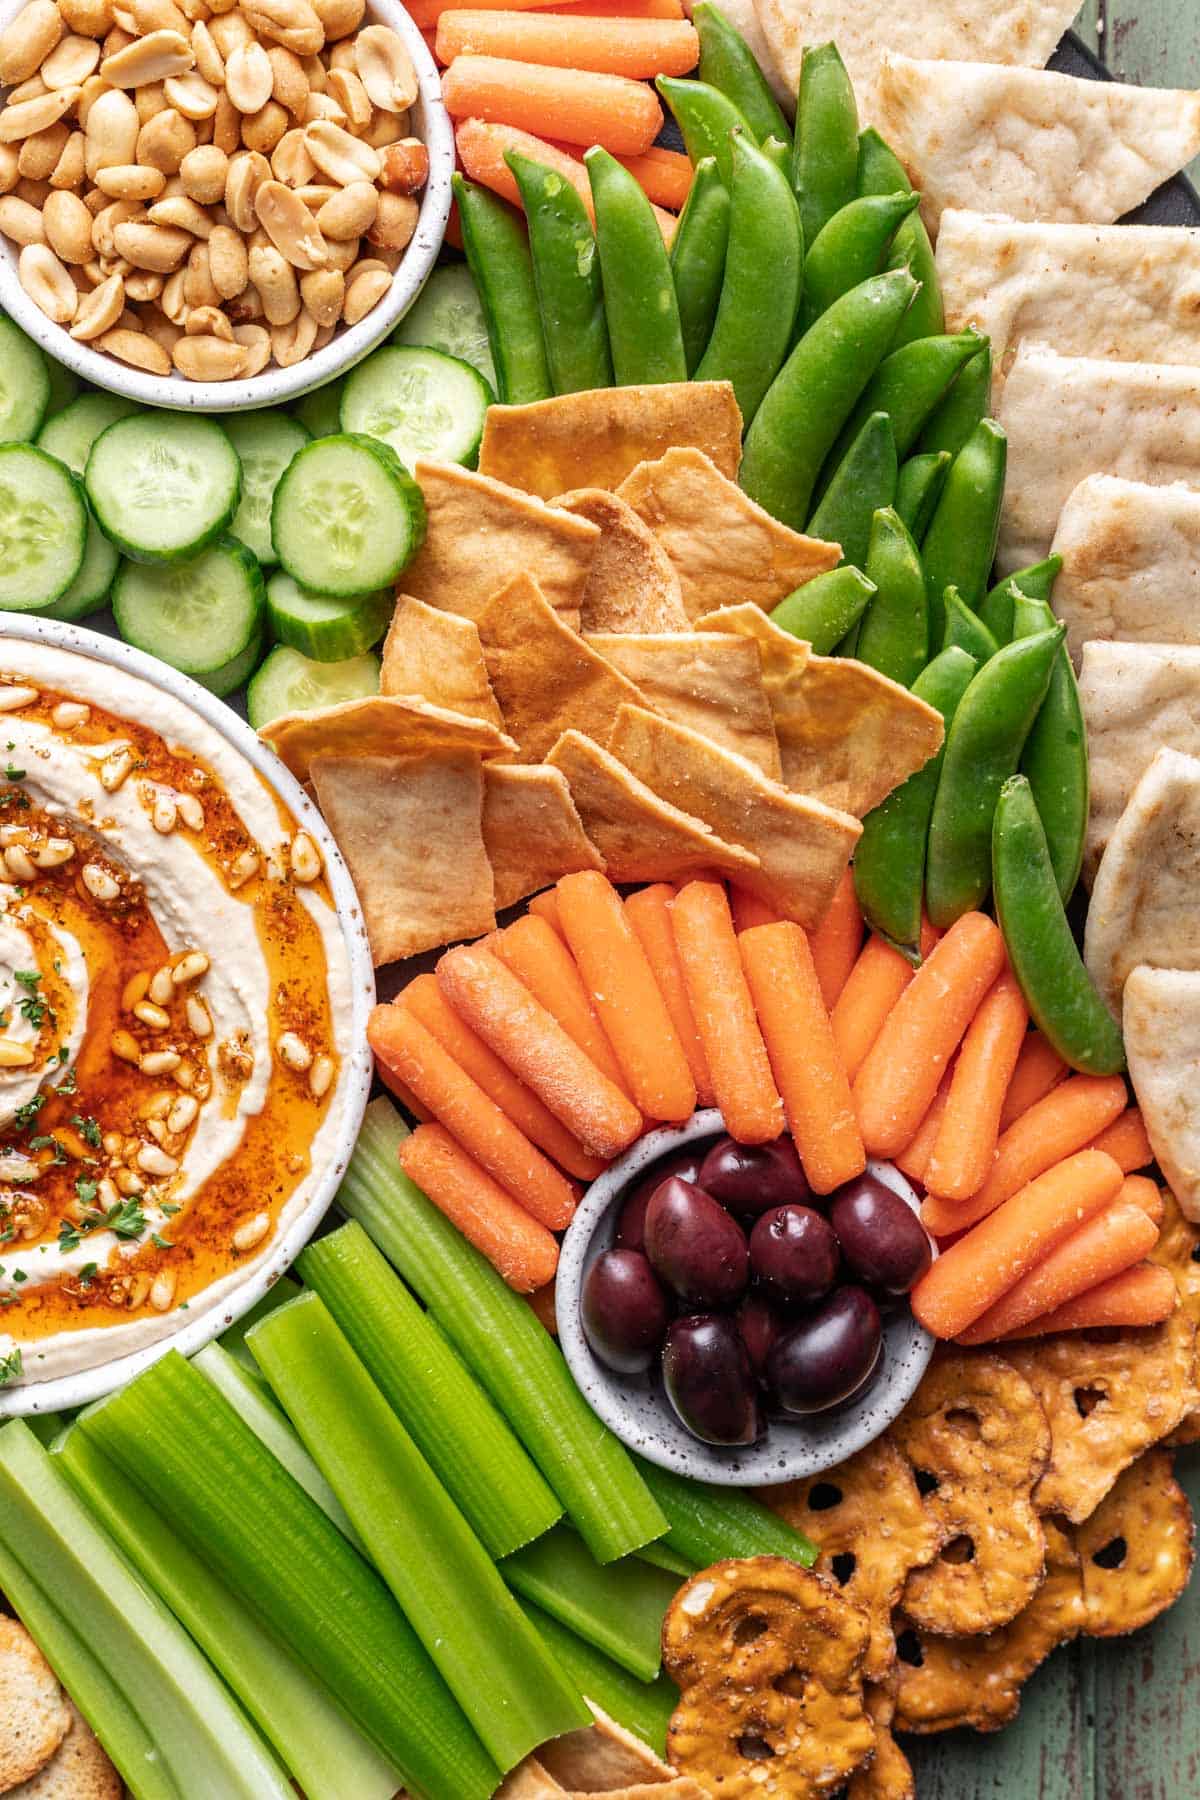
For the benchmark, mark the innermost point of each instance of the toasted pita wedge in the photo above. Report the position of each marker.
(437, 655)
(411, 831)
(708, 680)
(78, 1770)
(381, 725)
(594, 439)
(640, 836)
(603, 1757)
(34, 1712)
(531, 830)
(1131, 562)
(1162, 1043)
(529, 1781)
(724, 547)
(631, 585)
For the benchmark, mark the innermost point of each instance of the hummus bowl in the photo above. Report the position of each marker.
(184, 988)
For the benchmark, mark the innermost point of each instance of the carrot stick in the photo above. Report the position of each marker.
(966, 1144)
(537, 956)
(427, 13)
(542, 1302)
(619, 9)
(425, 1000)
(837, 940)
(638, 48)
(899, 1077)
(620, 981)
(481, 150)
(871, 989)
(664, 176)
(1139, 1190)
(1126, 1141)
(583, 108)
(649, 912)
(748, 910)
(536, 1048)
(545, 906)
(1039, 1068)
(1067, 1120)
(518, 1248)
(404, 1095)
(724, 1013)
(913, 1160)
(1144, 1295)
(973, 1274)
(457, 1103)
(808, 1072)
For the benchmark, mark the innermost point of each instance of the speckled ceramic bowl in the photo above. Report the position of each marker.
(634, 1407)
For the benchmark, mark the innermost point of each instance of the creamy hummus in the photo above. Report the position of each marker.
(174, 986)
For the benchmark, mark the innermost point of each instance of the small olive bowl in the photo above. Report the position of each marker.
(634, 1407)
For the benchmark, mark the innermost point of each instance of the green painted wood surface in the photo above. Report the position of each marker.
(1152, 41)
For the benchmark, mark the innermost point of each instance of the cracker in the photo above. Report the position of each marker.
(602, 1757)
(1178, 1249)
(35, 1715)
(528, 1781)
(1136, 1550)
(78, 1770)
(888, 1775)
(531, 830)
(437, 656)
(710, 681)
(631, 585)
(383, 726)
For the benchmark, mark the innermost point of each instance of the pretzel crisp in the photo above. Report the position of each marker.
(1178, 1249)
(1136, 1550)
(768, 1659)
(888, 1775)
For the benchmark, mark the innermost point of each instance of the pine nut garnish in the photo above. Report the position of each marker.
(128, 1183)
(252, 1232)
(162, 1290)
(162, 986)
(243, 868)
(190, 967)
(152, 1015)
(153, 1160)
(134, 990)
(156, 1108)
(18, 863)
(190, 811)
(70, 713)
(99, 883)
(114, 769)
(182, 1114)
(158, 1130)
(54, 853)
(305, 858)
(126, 1046)
(159, 1062)
(294, 1052)
(14, 1055)
(12, 699)
(185, 1075)
(198, 1017)
(164, 815)
(106, 1192)
(320, 1077)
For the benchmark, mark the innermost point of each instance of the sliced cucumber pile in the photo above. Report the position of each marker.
(347, 516)
(70, 434)
(447, 315)
(24, 385)
(90, 588)
(43, 528)
(320, 412)
(203, 616)
(290, 682)
(420, 402)
(321, 627)
(266, 443)
(163, 485)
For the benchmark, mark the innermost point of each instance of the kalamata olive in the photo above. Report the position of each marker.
(752, 1178)
(828, 1354)
(695, 1246)
(623, 1310)
(632, 1224)
(760, 1324)
(883, 1241)
(794, 1251)
(709, 1380)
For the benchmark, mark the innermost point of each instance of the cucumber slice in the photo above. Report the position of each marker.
(347, 516)
(70, 434)
(64, 386)
(448, 315)
(24, 384)
(204, 617)
(43, 528)
(320, 412)
(237, 671)
(266, 443)
(327, 630)
(89, 590)
(289, 682)
(421, 402)
(163, 485)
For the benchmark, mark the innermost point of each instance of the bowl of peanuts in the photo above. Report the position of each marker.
(216, 204)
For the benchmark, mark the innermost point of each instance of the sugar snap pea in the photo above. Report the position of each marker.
(1036, 583)
(919, 488)
(706, 117)
(850, 248)
(639, 294)
(1058, 990)
(893, 634)
(951, 423)
(864, 481)
(816, 390)
(826, 608)
(566, 273)
(966, 628)
(780, 153)
(909, 383)
(698, 257)
(880, 171)
(959, 547)
(983, 748)
(889, 859)
(1055, 757)
(728, 64)
(498, 253)
(825, 163)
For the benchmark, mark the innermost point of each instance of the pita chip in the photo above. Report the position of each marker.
(410, 829)
(1162, 1045)
(723, 546)
(602, 1757)
(531, 830)
(631, 585)
(640, 836)
(437, 656)
(708, 680)
(380, 725)
(1131, 563)
(594, 438)
(529, 1781)
(1031, 144)
(480, 533)
(1136, 698)
(802, 845)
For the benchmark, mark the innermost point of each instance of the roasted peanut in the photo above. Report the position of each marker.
(68, 171)
(291, 343)
(131, 181)
(9, 170)
(90, 18)
(157, 247)
(208, 321)
(247, 171)
(364, 290)
(256, 342)
(20, 221)
(275, 280)
(158, 15)
(71, 61)
(34, 193)
(173, 299)
(47, 283)
(209, 62)
(351, 211)
(386, 68)
(341, 253)
(99, 311)
(385, 128)
(28, 41)
(149, 100)
(117, 212)
(290, 226)
(249, 78)
(289, 83)
(198, 286)
(68, 227)
(142, 286)
(245, 307)
(262, 130)
(191, 95)
(163, 142)
(111, 132)
(32, 89)
(226, 125)
(161, 56)
(227, 261)
(292, 23)
(31, 116)
(339, 155)
(38, 156)
(177, 209)
(339, 17)
(290, 161)
(395, 221)
(209, 358)
(229, 33)
(137, 348)
(351, 96)
(160, 328)
(322, 291)
(204, 172)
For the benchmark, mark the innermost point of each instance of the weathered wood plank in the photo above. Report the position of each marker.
(1149, 41)
(1043, 1755)
(1090, 25)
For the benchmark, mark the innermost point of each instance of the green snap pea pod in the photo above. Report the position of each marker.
(761, 287)
(864, 481)
(1055, 758)
(639, 293)
(815, 392)
(1036, 583)
(825, 161)
(1059, 992)
(826, 608)
(498, 253)
(566, 274)
(780, 154)
(983, 748)
(889, 858)
(966, 628)
(959, 547)
(919, 488)
(850, 248)
(880, 171)
(909, 383)
(698, 257)
(893, 635)
(706, 117)
(728, 64)
(950, 425)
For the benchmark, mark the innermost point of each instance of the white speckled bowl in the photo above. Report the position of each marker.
(634, 1407)
(193, 1333)
(275, 386)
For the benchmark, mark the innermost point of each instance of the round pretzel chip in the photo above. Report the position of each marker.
(978, 1442)
(34, 1714)
(1178, 1249)
(768, 1660)
(1136, 1550)
(888, 1775)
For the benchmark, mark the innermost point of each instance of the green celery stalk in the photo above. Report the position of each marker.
(618, 1606)
(643, 1707)
(494, 1664)
(662, 1558)
(498, 1337)
(325, 1753)
(710, 1523)
(183, 1444)
(207, 1744)
(465, 1440)
(234, 1339)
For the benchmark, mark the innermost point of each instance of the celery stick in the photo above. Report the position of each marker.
(497, 1667)
(662, 1558)
(200, 1733)
(465, 1440)
(234, 1339)
(711, 1523)
(191, 1454)
(327, 1755)
(498, 1337)
(643, 1707)
(618, 1606)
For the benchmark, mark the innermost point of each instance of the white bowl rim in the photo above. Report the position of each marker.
(274, 386)
(64, 1392)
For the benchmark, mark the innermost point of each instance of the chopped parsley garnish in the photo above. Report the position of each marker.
(160, 1243)
(12, 773)
(126, 1219)
(25, 1115)
(27, 978)
(20, 1275)
(170, 1207)
(86, 1190)
(68, 1084)
(87, 1275)
(10, 1366)
(88, 1129)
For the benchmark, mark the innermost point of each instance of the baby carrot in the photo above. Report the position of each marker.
(804, 1059)
(749, 910)
(1039, 1068)
(974, 1273)
(913, 1160)
(458, 1104)
(899, 1077)
(1143, 1295)
(619, 9)
(724, 1013)
(545, 906)
(1126, 1141)
(518, 1248)
(638, 48)
(1139, 1190)
(622, 115)
(481, 149)
(427, 13)
(649, 912)
(871, 990)
(537, 1049)
(404, 1094)
(537, 956)
(665, 176)
(837, 939)
(620, 981)
(966, 1144)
